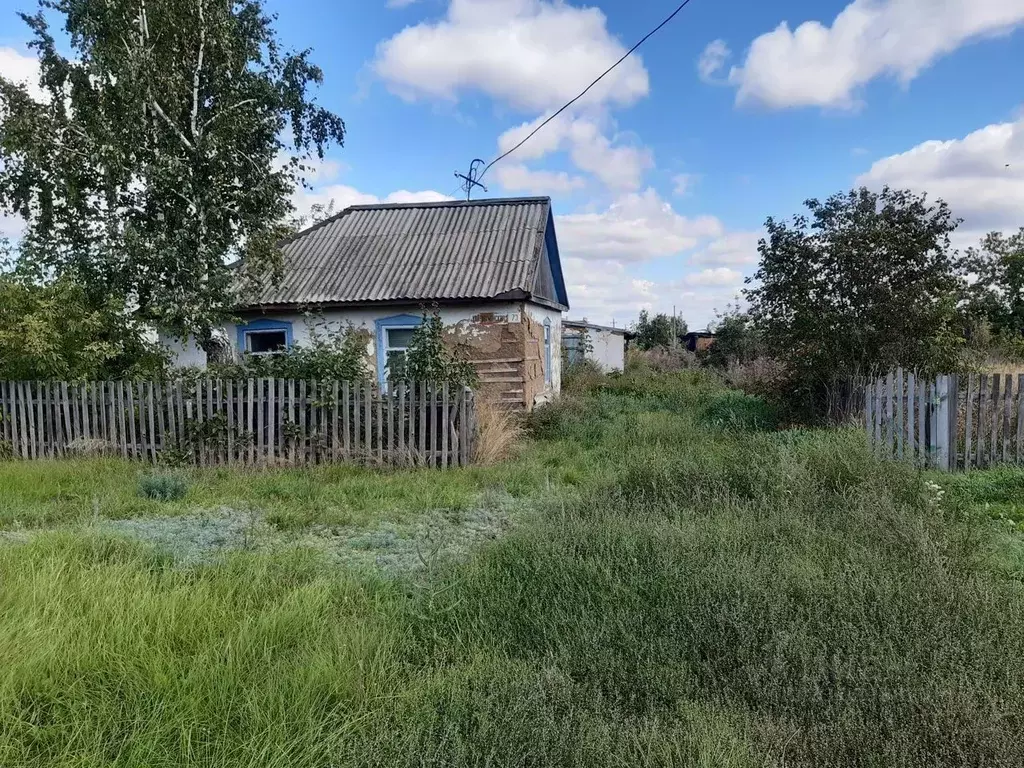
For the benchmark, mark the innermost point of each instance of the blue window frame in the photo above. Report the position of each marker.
(393, 335)
(260, 337)
(547, 351)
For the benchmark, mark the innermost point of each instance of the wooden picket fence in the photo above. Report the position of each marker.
(254, 422)
(950, 422)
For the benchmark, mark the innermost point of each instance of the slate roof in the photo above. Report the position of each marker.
(481, 249)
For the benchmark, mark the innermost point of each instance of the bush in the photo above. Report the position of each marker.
(162, 487)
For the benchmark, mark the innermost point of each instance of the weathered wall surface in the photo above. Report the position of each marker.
(504, 341)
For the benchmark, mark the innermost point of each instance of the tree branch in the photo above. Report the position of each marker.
(178, 132)
(198, 69)
(222, 113)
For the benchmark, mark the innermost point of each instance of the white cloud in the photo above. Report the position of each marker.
(818, 65)
(532, 54)
(606, 292)
(21, 68)
(714, 276)
(734, 249)
(342, 196)
(981, 176)
(515, 177)
(712, 59)
(399, 3)
(682, 183)
(618, 166)
(636, 227)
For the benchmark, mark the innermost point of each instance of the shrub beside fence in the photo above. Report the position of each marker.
(948, 422)
(240, 422)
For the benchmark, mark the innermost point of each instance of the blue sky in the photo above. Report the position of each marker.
(663, 176)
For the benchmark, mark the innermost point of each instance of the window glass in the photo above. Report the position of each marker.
(262, 342)
(399, 338)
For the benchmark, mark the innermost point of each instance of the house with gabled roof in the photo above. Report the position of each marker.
(490, 268)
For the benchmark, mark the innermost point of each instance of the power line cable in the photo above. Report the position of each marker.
(582, 93)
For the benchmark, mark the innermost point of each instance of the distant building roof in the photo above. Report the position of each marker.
(480, 249)
(595, 327)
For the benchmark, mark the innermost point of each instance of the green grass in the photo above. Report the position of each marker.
(688, 590)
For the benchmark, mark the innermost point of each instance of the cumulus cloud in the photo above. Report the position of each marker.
(712, 60)
(823, 66)
(682, 183)
(981, 176)
(515, 177)
(531, 54)
(618, 166)
(733, 249)
(636, 227)
(21, 68)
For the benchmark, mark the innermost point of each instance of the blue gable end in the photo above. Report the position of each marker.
(555, 260)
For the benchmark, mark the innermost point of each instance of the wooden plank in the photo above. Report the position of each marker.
(38, 435)
(422, 416)
(949, 422)
(464, 427)
(444, 417)
(160, 443)
(65, 417)
(380, 426)
(303, 432)
(900, 424)
(969, 423)
(346, 419)
(1020, 418)
(260, 434)
(151, 422)
(199, 429)
(171, 440)
(335, 437)
(890, 413)
(280, 420)
(356, 413)
(869, 413)
(5, 422)
(911, 447)
(179, 396)
(982, 404)
(368, 419)
(13, 399)
(122, 430)
(879, 411)
(250, 419)
(403, 432)
(391, 395)
(1007, 406)
(993, 444)
(133, 443)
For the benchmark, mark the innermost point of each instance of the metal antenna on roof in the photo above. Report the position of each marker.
(472, 179)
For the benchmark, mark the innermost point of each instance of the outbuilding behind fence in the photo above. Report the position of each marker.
(240, 422)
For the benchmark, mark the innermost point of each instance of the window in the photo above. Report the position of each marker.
(265, 342)
(397, 342)
(394, 335)
(547, 351)
(264, 336)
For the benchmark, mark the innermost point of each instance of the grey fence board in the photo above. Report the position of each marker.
(961, 422)
(231, 422)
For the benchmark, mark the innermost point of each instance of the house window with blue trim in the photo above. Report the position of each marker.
(264, 337)
(394, 335)
(547, 351)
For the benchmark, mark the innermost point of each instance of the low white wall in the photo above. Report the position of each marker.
(540, 314)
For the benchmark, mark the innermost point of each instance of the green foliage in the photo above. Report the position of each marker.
(429, 358)
(170, 133)
(737, 341)
(866, 281)
(51, 331)
(162, 487)
(336, 354)
(996, 290)
(661, 330)
(697, 596)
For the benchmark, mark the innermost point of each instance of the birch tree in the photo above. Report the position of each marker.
(166, 146)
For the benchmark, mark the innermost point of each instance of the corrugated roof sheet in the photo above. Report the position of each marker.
(416, 252)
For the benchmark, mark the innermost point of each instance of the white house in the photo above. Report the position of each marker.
(490, 268)
(607, 344)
